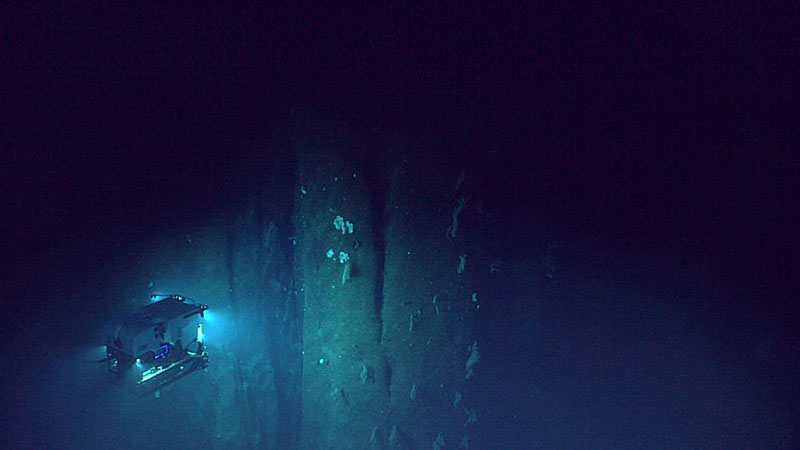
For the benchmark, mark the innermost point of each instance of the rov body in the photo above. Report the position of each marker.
(159, 343)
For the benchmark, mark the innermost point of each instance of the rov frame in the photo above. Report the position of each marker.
(150, 348)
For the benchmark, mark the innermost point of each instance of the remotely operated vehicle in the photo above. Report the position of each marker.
(160, 343)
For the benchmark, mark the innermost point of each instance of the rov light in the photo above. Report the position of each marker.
(163, 353)
(217, 324)
(200, 333)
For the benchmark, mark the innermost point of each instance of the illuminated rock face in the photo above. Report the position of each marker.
(344, 372)
(384, 352)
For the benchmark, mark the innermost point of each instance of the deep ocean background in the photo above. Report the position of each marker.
(658, 148)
